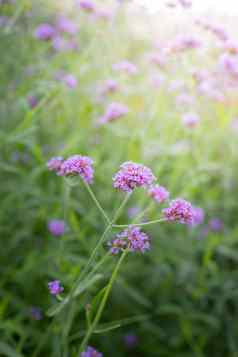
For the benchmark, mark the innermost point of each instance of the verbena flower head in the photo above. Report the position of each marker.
(179, 210)
(132, 175)
(56, 227)
(114, 112)
(55, 288)
(159, 193)
(126, 66)
(131, 238)
(78, 165)
(190, 120)
(55, 164)
(44, 32)
(87, 5)
(117, 245)
(91, 352)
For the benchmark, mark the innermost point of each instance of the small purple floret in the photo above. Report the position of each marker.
(55, 288)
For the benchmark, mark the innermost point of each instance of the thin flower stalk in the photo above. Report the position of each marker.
(103, 301)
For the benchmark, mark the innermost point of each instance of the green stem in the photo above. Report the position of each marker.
(103, 302)
(66, 197)
(139, 224)
(94, 198)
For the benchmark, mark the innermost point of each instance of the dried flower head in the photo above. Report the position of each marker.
(132, 175)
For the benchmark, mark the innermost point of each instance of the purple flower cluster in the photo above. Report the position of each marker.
(91, 352)
(159, 193)
(74, 165)
(132, 175)
(56, 227)
(179, 210)
(131, 238)
(55, 288)
(113, 112)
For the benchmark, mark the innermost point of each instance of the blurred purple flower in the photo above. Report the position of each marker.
(113, 112)
(133, 211)
(130, 340)
(125, 66)
(179, 210)
(87, 5)
(91, 352)
(229, 63)
(78, 165)
(132, 175)
(56, 227)
(190, 120)
(109, 86)
(216, 224)
(55, 288)
(70, 80)
(36, 313)
(65, 25)
(32, 101)
(198, 216)
(54, 164)
(159, 193)
(45, 32)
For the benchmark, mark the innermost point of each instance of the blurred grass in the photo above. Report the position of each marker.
(187, 285)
